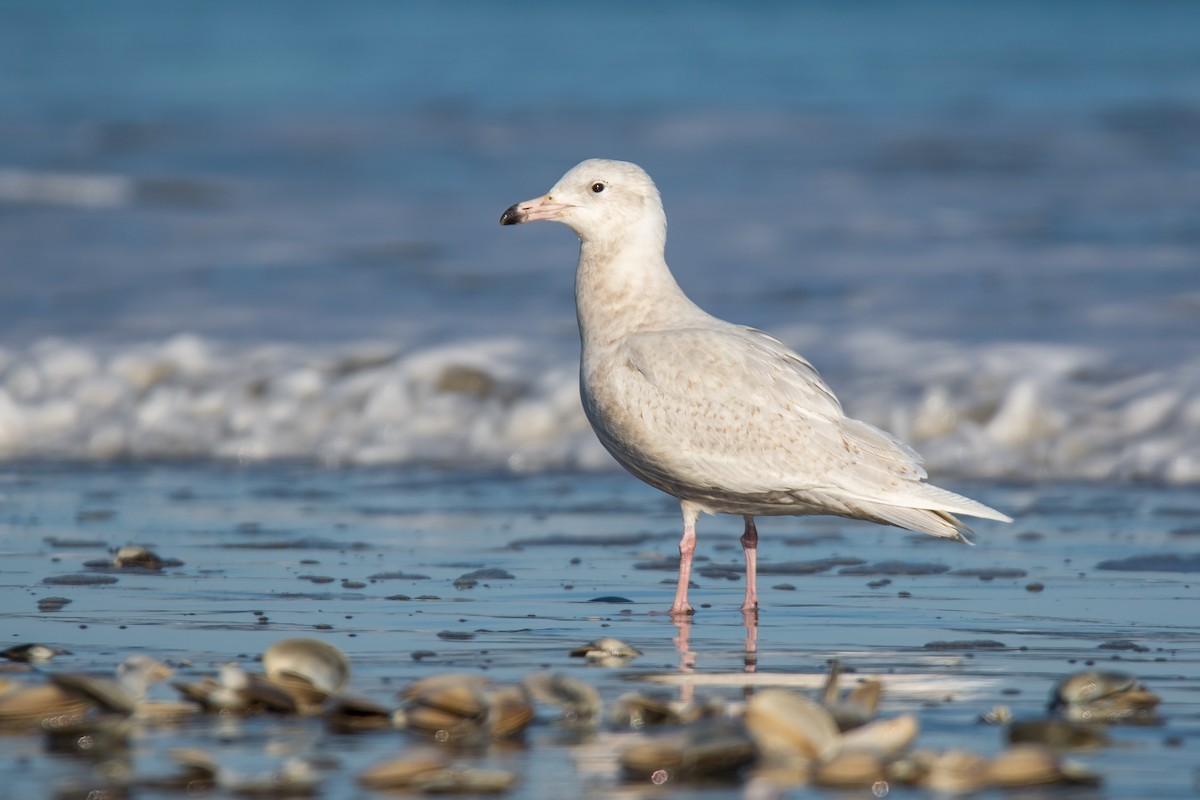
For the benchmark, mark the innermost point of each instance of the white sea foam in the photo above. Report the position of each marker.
(990, 410)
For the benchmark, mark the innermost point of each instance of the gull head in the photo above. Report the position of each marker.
(598, 199)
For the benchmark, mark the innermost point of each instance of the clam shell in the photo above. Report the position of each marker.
(1024, 765)
(607, 652)
(579, 701)
(787, 725)
(399, 773)
(320, 663)
(509, 712)
(101, 691)
(884, 738)
(464, 780)
(705, 750)
(637, 710)
(458, 694)
(1091, 685)
(850, 769)
(352, 714)
(1035, 765)
(952, 772)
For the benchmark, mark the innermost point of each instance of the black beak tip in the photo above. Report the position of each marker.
(512, 216)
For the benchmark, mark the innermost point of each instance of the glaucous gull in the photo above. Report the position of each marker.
(723, 417)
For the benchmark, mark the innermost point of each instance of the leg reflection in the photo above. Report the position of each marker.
(687, 656)
(750, 659)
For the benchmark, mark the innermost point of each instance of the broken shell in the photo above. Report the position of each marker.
(787, 725)
(579, 701)
(1099, 696)
(706, 750)
(857, 707)
(135, 555)
(884, 738)
(997, 715)
(1034, 765)
(607, 652)
(317, 663)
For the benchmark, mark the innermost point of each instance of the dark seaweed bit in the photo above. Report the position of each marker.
(489, 574)
(79, 579)
(1156, 562)
(896, 568)
(966, 644)
(397, 576)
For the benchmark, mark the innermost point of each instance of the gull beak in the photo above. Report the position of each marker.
(533, 210)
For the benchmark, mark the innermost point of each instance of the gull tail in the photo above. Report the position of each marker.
(929, 509)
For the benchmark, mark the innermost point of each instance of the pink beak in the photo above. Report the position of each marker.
(532, 211)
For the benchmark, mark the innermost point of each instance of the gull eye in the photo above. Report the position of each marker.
(598, 187)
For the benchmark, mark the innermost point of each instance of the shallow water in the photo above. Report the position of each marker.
(977, 220)
(252, 539)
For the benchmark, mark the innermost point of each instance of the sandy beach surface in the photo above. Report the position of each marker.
(373, 561)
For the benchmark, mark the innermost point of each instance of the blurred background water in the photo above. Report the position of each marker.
(269, 230)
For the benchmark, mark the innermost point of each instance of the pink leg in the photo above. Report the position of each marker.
(687, 547)
(750, 548)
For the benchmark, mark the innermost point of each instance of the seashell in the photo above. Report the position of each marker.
(105, 693)
(352, 715)
(135, 555)
(460, 694)
(139, 672)
(1057, 733)
(399, 773)
(637, 710)
(850, 769)
(44, 705)
(432, 773)
(996, 715)
(1034, 765)
(787, 725)
(579, 701)
(858, 707)
(607, 652)
(32, 653)
(951, 772)
(1100, 696)
(509, 712)
(464, 780)
(718, 749)
(884, 738)
(236, 691)
(318, 664)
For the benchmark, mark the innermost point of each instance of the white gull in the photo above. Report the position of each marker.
(723, 417)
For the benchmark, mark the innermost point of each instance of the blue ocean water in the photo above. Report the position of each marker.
(219, 222)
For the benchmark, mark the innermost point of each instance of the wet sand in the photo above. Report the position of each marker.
(379, 563)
